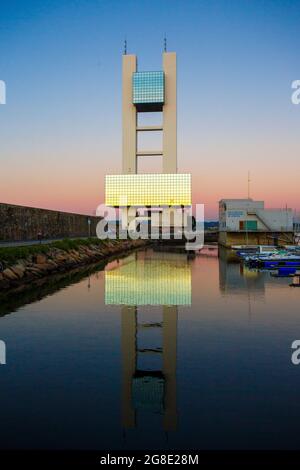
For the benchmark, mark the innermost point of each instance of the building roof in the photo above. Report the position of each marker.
(238, 200)
(242, 203)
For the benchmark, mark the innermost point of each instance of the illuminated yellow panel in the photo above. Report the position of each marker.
(148, 190)
(149, 282)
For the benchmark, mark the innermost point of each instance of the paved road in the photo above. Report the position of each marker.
(34, 242)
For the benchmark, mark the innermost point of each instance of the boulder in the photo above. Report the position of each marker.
(52, 263)
(40, 267)
(9, 274)
(18, 269)
(33, 270)
(40, 259)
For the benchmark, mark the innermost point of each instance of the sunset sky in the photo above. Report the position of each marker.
(60, 131)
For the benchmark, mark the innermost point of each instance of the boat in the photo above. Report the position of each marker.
(247, 251)
(270, 257)
(284, 272)
(274, 261)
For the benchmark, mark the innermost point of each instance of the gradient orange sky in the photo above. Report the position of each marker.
(60, 131)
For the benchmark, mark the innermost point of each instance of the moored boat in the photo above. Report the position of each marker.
(275, 261)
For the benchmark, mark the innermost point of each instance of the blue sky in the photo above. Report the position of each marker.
(60, 131)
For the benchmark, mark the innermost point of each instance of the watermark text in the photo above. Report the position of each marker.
(2, 352)
(2, 92)
(153, 223)
(296, 94)
(295, 358)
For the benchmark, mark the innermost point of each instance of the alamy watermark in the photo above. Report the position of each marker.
(296, 94)
(2, 92)
(2, 352)
(146, 223)
(295, 358)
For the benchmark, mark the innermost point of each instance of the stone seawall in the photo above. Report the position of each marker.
(18, 223)
(56, 258)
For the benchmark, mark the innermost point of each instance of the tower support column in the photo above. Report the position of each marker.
(129, 114)
(170, 114)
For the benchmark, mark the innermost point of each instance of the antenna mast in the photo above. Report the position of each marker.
(249, 184)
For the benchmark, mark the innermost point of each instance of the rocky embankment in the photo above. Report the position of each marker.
(52, 260)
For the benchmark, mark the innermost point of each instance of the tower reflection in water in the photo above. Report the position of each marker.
(144, 282)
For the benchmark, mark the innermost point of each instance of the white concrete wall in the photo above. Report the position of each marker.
(277, 220)
(236, 210)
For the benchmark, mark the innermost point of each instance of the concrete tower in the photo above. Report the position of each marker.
(144, 92)
(149, 92)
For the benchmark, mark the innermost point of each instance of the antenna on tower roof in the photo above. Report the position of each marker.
(165, 43)
(125, 46)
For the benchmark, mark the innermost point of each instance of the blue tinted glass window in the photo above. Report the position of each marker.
(148, 87)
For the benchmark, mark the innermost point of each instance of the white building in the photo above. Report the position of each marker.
(297, 223)
(248, 221)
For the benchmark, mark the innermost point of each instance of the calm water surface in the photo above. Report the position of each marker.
(154, 352)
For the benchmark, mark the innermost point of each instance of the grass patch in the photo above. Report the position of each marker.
(67, 244)
(9, 255)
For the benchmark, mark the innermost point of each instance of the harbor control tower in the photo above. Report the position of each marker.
(149, 92)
